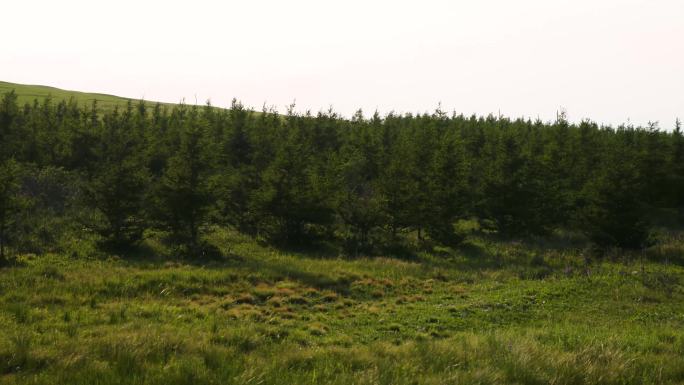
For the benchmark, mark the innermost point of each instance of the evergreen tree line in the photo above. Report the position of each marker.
(299, 178)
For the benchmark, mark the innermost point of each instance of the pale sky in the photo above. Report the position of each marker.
(608, 60)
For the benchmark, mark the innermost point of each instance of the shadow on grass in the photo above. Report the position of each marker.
(334, 249)
(479, 252)
(669, 253)
(147, 256)
(473, 255)
(277, 270)
(315, 250)
(219, 254)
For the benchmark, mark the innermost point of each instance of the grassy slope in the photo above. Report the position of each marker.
(28, 93)
(490, 312)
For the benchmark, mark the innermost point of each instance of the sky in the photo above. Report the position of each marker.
(611, 61)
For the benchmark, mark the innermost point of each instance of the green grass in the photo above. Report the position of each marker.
(28, 93)
(490, 312)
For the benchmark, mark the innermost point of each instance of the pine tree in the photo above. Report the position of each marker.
(9, 203)
(446, 187)
(119, 182)
(182, 197)
(237, 175)
(398, 186)
(358, 201)
(292, 197)
(518, 193)
(654, 159)
(614, 212)
(9, 112)
(9, 170)
(676, 168)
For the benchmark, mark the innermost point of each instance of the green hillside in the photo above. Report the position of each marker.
(27, 93)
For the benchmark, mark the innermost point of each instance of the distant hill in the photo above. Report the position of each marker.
(28, 93)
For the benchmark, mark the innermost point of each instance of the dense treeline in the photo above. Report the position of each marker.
(298, 178)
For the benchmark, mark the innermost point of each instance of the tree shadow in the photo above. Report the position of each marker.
(215, 257)
(490, 252)
(340, 284)
(146, 256)
(472, 256)
(319, 249)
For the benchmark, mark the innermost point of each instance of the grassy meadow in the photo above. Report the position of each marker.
(488, 312)
(28, 93)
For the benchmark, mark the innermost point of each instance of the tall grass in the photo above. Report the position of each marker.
(491, 312)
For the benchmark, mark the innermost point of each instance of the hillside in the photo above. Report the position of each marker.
(27, 93)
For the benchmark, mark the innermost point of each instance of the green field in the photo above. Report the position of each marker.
(489, 312)
(28, 93)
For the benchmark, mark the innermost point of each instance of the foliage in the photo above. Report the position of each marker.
(368, 185)
(119, 182)
(614, 215)
(181, 197)
(9, 204)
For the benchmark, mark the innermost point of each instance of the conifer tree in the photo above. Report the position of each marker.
(614, 212)
(182, 197)
(358, 202)
(398, 186)
(676, 169)
(292, 196)
(119, 183)
(446, 187)
(9, 112)
(653, 158)
(237, 178)
(9, 203)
